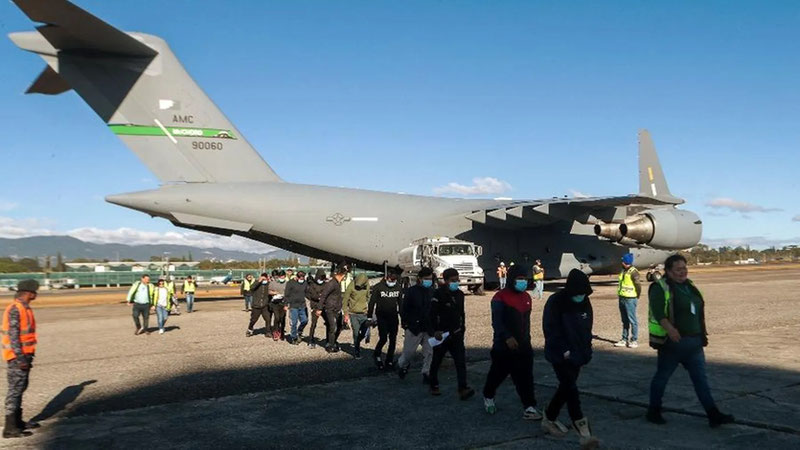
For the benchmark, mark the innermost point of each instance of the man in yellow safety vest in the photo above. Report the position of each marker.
(629, 290)
(538, 280)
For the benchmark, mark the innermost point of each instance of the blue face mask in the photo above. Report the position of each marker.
(453, 286)
(578, 298)
(427, 283)
(520, 285)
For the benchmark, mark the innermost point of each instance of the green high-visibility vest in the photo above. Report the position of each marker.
(658, 335)
(626, 287)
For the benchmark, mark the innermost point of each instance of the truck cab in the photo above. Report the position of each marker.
(442, 253)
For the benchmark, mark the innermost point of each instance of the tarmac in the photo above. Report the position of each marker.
(203, 384)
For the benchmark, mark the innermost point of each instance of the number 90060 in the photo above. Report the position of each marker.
(198, 145)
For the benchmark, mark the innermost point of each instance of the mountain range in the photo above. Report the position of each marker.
(72, 248)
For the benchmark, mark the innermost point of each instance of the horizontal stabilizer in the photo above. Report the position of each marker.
(49, 82)
(68, 27)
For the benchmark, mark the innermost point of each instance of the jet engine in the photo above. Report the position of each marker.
(667, 229)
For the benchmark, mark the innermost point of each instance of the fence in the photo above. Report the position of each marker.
(114, 279)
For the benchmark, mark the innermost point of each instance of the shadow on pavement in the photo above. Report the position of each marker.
(334, 401)
(61, 401)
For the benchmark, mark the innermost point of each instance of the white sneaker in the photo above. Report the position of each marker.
(489, 405)
(633, 344)
(160, 331)
(554, 428)
(621, 343)
(531, 413)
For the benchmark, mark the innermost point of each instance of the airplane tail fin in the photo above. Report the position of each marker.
(652, 182)
(138, 87)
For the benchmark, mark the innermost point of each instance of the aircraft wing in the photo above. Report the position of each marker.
(589, 210)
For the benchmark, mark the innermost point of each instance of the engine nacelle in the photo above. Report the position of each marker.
(668, 229)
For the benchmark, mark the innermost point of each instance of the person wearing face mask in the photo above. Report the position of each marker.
(567, 324)
(259, 291)
(414, 316)
(678, 331)
(384, 303)
(330, 304)
(512, 353)
(313, 291)
(295, 299)
(447, 316)
(277, 305)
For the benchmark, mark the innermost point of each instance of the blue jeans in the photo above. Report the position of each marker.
(298, 314)
(248, 302)
(189, 301)
(689, 352)
(161, 314)
(627, 311)
(539, 289)
(502, 282)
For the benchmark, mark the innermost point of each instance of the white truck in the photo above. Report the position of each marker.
(442, 253)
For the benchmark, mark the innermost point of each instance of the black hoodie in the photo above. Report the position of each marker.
(567, 325)
(313, 288)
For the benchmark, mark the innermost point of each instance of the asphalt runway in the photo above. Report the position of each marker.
(204, 384)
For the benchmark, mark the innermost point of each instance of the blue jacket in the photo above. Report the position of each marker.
(568, 325)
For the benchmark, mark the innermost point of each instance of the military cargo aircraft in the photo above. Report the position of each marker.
(141, 91)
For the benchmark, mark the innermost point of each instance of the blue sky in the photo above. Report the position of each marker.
(518, 99)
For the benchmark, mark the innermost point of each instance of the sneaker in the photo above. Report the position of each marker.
(621, 343)
(466, 393)
(329, 349)
(488, 404)
(426, 379)
(633, 344)
(138, 331)
(161, 331)
(435, 390)
(378, 362)
(402, 372)
(554, 428)
(357, 354)
(312, 345)
(531, 413)
(248, 333)
(388, 366)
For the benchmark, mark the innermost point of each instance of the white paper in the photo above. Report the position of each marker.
(434, 342)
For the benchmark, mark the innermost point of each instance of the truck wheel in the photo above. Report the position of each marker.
(478, 289)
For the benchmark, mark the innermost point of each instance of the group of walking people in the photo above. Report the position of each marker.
(433, 316)
(160, 297)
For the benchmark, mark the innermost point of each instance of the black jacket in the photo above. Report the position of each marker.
(295, 295)
(447, 311)
(415, 309)
(567, 325)
(385, 301)
(313, 289)
(260, 294)
(330, 298)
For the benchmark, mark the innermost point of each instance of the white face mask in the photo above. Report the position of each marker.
(301, 281)
(320, 281)
(391, 283)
